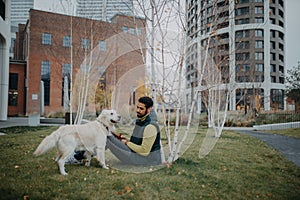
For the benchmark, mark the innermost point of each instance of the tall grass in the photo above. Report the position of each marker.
(239, 167)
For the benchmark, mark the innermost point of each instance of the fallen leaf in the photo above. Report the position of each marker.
(25, 197)
(128, 189)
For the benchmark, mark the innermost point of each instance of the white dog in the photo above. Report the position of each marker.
(90, 137)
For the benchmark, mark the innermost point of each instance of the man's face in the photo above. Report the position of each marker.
(141, 110)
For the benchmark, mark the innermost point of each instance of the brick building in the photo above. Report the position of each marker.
(104, 49)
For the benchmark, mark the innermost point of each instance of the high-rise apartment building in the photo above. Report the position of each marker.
(20, 11)
(246, 39)
(103, 9)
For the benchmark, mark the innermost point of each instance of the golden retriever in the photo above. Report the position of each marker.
(90, 137)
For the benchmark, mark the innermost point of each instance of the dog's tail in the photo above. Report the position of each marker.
(48, 143)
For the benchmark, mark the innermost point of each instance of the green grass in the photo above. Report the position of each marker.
(239, 167)
(292, 132)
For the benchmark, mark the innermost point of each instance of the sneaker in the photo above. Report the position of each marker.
(73, 161)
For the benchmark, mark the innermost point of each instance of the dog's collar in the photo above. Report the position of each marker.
(105, 125)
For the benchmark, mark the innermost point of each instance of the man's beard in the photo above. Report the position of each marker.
(140, 115)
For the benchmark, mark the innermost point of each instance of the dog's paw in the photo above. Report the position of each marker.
(105, 167)
(64, 173)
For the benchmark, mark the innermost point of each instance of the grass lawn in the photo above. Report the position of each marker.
(239, 167)
(292, 132)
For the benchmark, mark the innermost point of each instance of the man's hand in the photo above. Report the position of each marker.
(124, 140)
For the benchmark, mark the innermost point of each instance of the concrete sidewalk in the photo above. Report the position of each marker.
(24, 121)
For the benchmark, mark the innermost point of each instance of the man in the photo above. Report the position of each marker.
(143, 148)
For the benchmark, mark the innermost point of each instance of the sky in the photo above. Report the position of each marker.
(292, 21)
(292, 35)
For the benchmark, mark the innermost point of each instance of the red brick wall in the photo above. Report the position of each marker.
(59, 26)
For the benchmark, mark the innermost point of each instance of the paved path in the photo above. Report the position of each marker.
(288, 146)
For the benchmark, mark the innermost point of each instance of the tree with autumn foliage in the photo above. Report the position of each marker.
(293, 85)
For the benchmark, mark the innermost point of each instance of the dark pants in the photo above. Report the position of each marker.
(127, 156)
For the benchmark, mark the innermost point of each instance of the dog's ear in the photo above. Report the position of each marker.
(105, 112)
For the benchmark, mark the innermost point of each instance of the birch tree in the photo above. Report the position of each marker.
(167, 54)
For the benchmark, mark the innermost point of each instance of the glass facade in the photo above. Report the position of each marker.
(103, 9)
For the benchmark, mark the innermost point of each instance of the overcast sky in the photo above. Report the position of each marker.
(292, 15)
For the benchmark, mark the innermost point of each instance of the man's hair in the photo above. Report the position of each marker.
(147, 101)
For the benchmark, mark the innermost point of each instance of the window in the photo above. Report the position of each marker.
(281, 24)
(259, 1)
(273, 21)
(209, 10)
(259, 44)
(242, 45)
(272, 10)
(102, 45)
(273, 79)
(273, 68)
(47, 38)
(259, 33)
(131, 31)
(101, 70)
(259, 55)
(273, 45)
(273, 56)
(242, 1)
(85, 43)
(66, 70)
(242, 21)
(280, 12)
(259, 67)
(281, 68)
(125, 29)
(242, 56)
(281, 35)
(67, 41)
(13, 89)
(281, 47)
(281, 58)
(45, 76)
(259, 10)
(241, 79)
(242, 68)
(273, 33)
(12, 44)
(259, 20)
(243, 33)
(139, 31)
(242, 11)
(259, 78)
